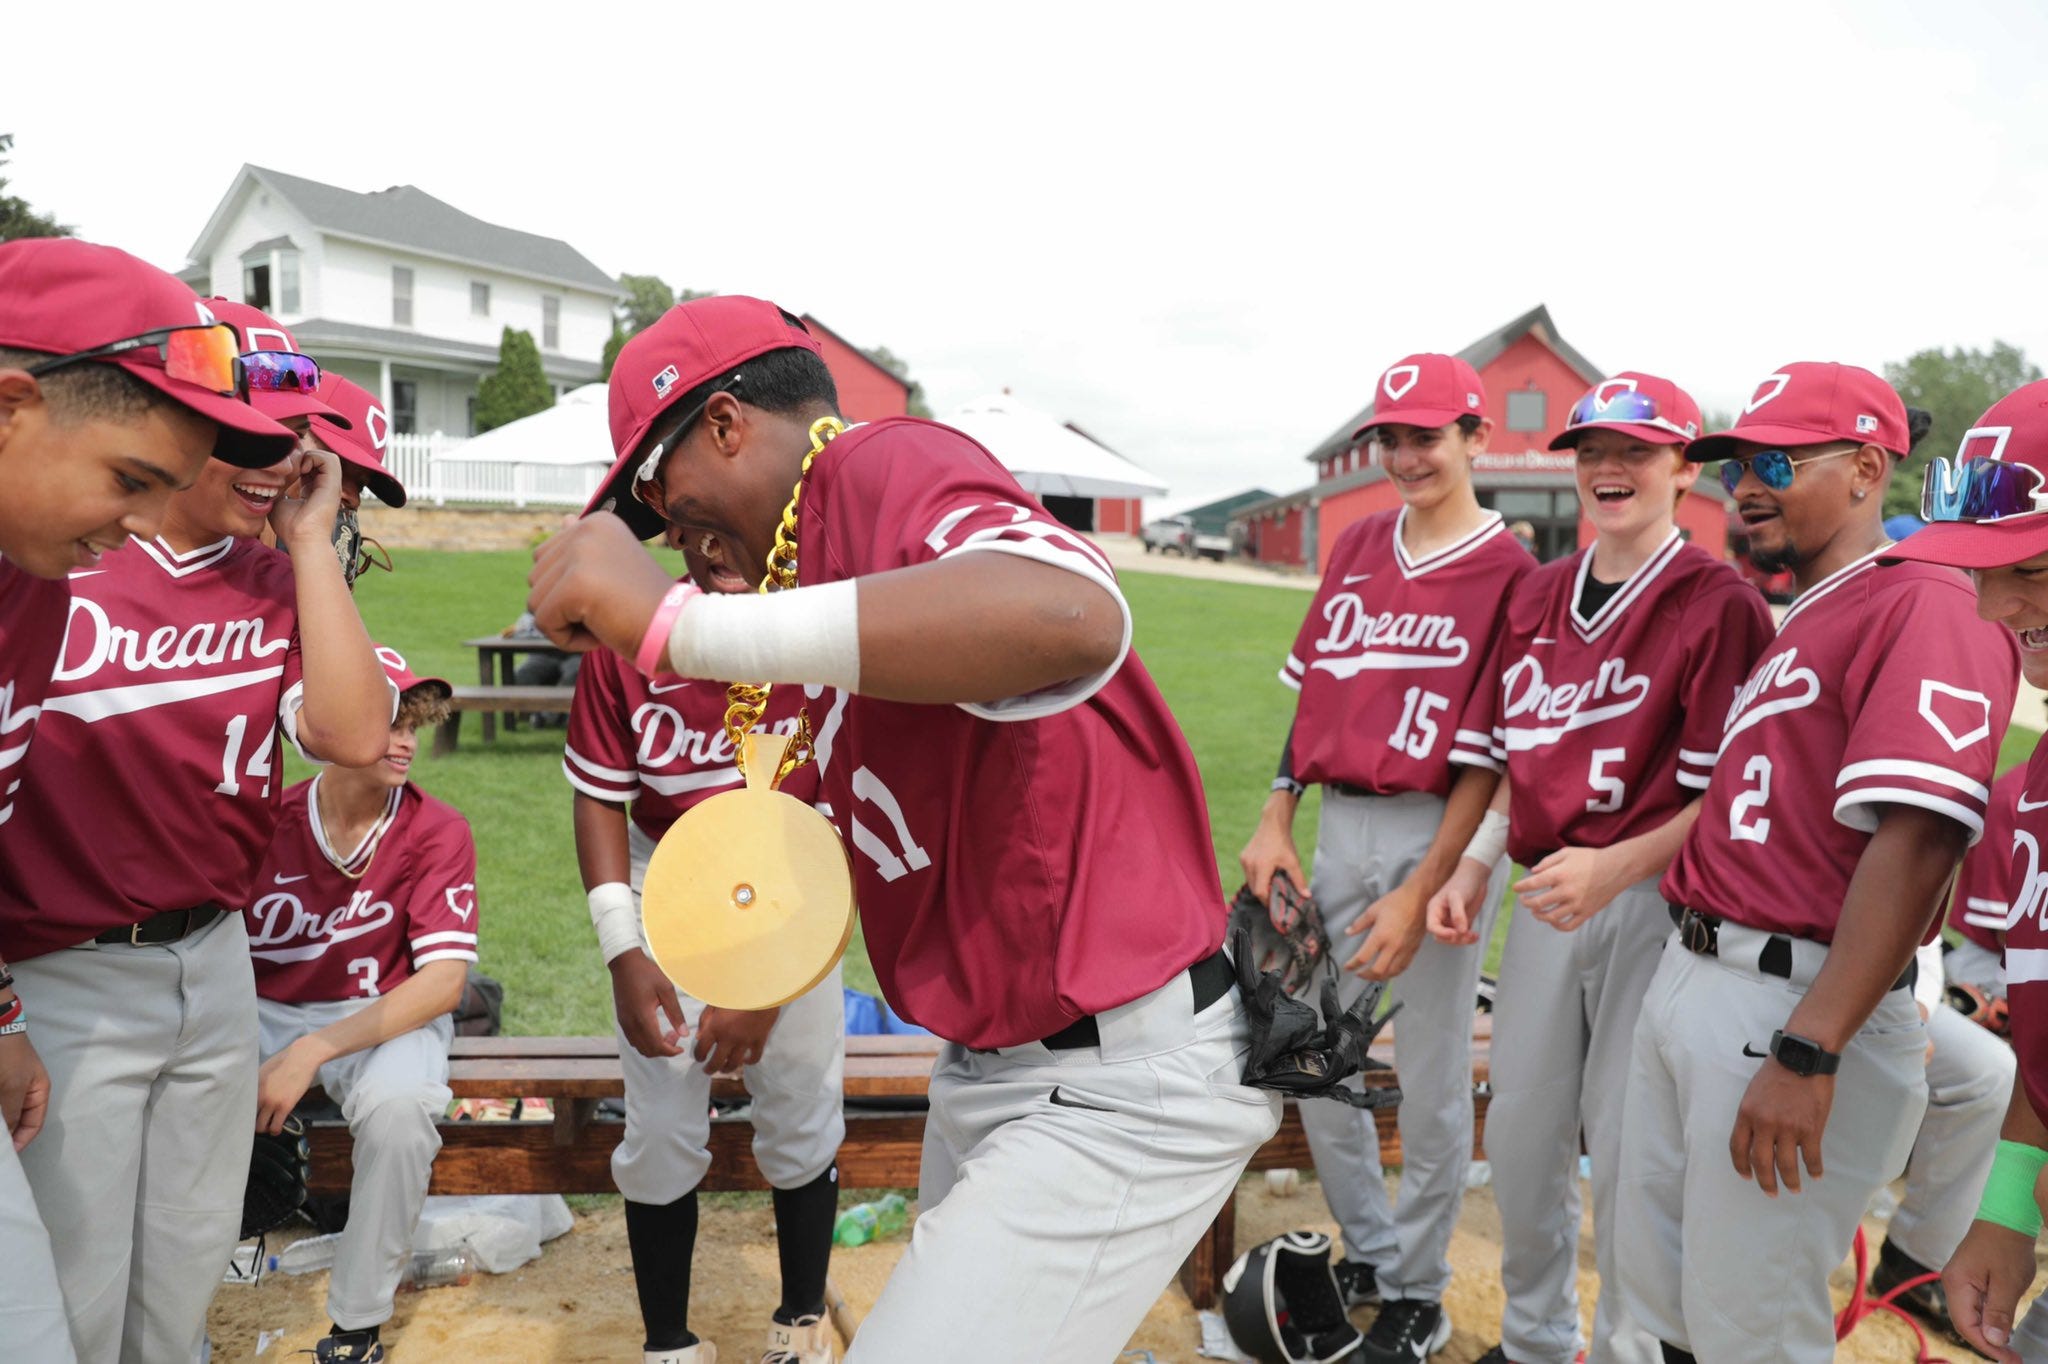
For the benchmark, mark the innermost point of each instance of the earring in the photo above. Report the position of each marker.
(1858, 494)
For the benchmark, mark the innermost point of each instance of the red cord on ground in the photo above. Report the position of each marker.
(1860, 1306)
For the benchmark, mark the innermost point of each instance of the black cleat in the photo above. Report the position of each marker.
(349, 1347)
(1407, 1330)
(1927, 1302)
(1358, 1282)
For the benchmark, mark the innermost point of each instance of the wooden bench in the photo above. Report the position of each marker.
(494, 700)
(885, 1084)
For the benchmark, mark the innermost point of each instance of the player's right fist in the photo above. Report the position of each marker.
(594, 584)
(641, 996)
(1272, 849)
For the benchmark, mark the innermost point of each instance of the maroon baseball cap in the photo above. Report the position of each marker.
(1998, 480)
(63, 296)
(1426, 390)
(402, 676)
(1813, 403)
(689, 345)
(360, 436)
(1640, 406)
(260, 331)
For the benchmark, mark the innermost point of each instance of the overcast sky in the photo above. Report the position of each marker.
(1198, 231)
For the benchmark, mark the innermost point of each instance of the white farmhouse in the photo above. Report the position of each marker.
(402, 293)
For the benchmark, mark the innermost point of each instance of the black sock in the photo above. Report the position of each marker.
(803, 1242)
(662, 1238)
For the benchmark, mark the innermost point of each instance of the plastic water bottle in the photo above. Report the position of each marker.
(450, 1268)
(865, 1222)
(306, 1255)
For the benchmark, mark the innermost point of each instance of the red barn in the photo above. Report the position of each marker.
(867, 392)
(1532, 377)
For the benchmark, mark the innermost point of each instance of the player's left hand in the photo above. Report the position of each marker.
(1985, 1279)
(24, 1088)
(280, 1084)
(308, 506)
(594, 584)
(1393, 926)
(1569, 887)
(1778, 1125)
(729, 1040)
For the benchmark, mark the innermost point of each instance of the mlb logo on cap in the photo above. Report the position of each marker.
(665, 381)
(1865, 423)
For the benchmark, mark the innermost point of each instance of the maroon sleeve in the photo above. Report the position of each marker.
(440, 898)
(1728, 627)
(599, 756)
(1928, 695)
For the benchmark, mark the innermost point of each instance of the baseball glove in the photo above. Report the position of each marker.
(1988, 1011)
(1296, 1052)
(278, 1169)
(1287, 932)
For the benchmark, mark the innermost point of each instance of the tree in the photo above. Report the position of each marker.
(647, 298)
(900, 367)
(17, 219)
(517, 388)
(1956, 386)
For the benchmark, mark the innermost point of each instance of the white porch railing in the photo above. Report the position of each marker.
(433, 470)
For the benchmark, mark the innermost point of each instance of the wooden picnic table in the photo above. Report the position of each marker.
(496, 658)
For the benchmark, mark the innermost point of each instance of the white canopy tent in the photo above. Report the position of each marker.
(1049, 459)
(555, 458)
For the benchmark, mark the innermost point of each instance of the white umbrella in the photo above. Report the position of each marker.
(1047, 458)
(576, 430)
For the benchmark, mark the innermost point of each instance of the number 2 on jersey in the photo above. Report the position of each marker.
(1416, 734)
(1757, 772)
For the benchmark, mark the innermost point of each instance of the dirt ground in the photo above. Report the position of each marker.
(576, 1302)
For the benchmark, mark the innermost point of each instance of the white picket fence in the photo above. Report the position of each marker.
(433, 471)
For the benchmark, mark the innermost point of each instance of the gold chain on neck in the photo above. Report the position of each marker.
(744, 701)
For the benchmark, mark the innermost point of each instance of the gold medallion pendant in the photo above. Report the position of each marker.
(748, 899)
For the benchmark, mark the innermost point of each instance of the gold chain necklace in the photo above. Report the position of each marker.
(745, 701)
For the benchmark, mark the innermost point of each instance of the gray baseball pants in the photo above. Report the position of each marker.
(1365, 847)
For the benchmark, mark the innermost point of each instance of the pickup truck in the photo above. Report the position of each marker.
(1177, 535)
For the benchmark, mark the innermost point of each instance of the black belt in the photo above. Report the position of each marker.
(172, 925)
(1700, 934)
(1211, 977)
(1345, 788)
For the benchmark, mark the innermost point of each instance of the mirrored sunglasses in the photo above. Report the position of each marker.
(1627, 405)
(200, 355)
(281, 371)
(1966, 491)
(1773, 468)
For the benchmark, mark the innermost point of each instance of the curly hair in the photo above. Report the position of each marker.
(423, 705)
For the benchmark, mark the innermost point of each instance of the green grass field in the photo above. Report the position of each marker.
(1213, 648)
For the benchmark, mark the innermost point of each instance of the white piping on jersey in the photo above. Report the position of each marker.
(1590, 628)
(1830, 583)
(599, 769)
(1489, 527)
(1852, 808)
(1978, 912)
(111, 701)
(2025, 965)
(364, 850)
(184, 565)
(1697, 758)
(431, 939)
(1919, 771)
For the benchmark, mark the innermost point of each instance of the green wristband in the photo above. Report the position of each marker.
(2009, 1193)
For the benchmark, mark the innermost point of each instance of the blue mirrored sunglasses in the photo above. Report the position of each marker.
(281, 371)
(1625, 405)
(1972, 490)
(1773, 468)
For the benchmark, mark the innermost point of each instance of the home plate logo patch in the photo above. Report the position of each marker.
(1960, 717)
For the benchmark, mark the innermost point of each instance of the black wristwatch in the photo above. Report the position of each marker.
(1803, 1055)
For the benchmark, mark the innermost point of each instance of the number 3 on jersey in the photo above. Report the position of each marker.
(1416, 734)
(1757, 775)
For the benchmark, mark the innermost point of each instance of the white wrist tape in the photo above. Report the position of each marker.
(1490, 841)
(616, 918)
(807, 634)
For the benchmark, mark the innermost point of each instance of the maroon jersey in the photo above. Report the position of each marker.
(316, 934)
(32, 615)
(1396, 656)
(659, 743)
(2026, 931)
(1983, 896)
(1022, 862)
(153, 783)
(1882, 688)
(1609, 723)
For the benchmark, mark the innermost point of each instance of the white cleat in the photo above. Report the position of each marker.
(809, 1341)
